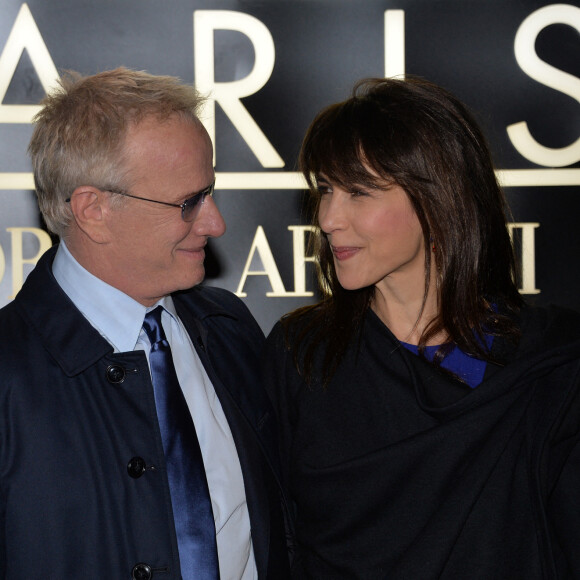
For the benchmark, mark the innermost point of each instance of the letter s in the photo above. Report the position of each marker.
(524, 48)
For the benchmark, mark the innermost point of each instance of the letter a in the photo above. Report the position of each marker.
(24, 35)
(260, 245)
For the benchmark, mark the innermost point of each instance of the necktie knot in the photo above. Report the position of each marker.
(153, 327)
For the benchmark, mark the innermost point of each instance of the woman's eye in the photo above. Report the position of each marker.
(324, 189)
(358, 193)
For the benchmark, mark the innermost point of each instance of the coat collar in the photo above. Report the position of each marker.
(66, 334)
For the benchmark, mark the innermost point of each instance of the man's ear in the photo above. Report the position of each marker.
(89, 208)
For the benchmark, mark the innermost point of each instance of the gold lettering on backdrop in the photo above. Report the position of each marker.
(18, 259)
(528, 255)
(229, 94)
(24, 35)
(525, 52)
(300, 259)
(262, 247)
(2, 264)
(394, 33)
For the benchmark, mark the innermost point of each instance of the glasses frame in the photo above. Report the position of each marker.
(194, 202)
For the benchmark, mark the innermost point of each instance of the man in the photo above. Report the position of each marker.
(102, 472)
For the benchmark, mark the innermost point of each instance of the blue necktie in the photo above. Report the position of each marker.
(187, 482)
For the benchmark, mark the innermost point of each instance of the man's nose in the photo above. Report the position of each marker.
(209, 221)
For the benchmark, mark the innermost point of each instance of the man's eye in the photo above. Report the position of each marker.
(193, 201)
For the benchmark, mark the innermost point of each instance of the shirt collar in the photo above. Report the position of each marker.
(117, 316)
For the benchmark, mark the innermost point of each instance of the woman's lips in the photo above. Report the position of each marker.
(344, 252)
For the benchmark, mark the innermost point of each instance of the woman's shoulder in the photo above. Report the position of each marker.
(297, 336)
(302, 322)
(554, 323)
(549, 332)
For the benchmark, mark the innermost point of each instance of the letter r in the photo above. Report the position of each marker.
(228, 94)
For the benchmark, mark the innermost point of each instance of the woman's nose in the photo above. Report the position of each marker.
(332, 213)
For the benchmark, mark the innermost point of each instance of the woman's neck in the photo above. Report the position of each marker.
(401, 305)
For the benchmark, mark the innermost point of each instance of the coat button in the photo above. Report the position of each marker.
(141, 572)
(136, 467)
(115, 374)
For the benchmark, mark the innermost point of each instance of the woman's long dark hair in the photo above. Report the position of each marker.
(418, 135)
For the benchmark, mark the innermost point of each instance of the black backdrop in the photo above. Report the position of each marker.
(271, 65)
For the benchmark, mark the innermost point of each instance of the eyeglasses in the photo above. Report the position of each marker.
(189, 208)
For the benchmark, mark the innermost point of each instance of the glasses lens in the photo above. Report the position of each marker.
(191, 206)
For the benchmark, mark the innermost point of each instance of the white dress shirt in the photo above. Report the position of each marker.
(119, 319)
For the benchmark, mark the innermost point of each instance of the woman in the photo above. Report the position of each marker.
(429, 419)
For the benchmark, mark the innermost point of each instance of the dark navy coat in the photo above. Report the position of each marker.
(83, 485)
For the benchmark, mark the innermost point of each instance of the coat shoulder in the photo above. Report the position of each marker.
(210, 301)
